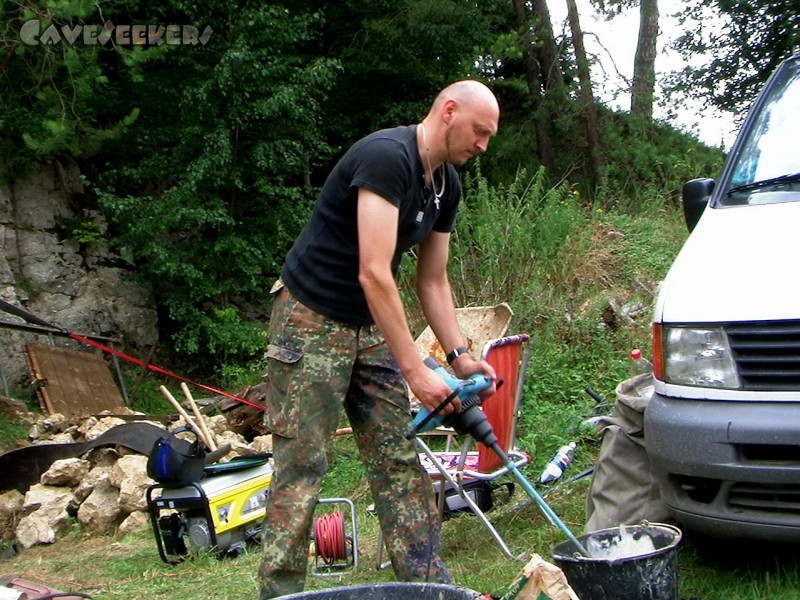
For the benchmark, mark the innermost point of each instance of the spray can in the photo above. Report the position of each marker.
(558, 464)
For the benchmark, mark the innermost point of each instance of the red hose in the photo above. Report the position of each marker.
(330, 538)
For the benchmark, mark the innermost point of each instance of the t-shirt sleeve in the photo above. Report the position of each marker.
(381, 167)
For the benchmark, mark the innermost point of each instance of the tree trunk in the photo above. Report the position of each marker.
(532, 75)
(644, 65)
(547, 49)
(593, 154)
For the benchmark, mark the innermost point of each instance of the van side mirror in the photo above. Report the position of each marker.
(696, 194)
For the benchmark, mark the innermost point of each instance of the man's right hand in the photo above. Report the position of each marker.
(431, 390)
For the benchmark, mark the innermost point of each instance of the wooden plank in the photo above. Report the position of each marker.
(72, 382)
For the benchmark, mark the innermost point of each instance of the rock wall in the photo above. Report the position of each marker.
(83, 287)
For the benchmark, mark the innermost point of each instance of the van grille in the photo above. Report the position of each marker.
(783, 499)
(767, 354)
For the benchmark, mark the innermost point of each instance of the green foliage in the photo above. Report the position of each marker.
(396, 55)
(56, 96)
(524, 224)
(236, 377)
(572, 347)
(205, 159)
(743, 48)
(84, 232)
(11, 431)
(581, 281)
(646, 163)
(228, 154)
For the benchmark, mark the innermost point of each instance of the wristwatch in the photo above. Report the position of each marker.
(456, 353)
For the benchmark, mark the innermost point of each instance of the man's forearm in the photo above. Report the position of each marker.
(438, 307)
(388, 311)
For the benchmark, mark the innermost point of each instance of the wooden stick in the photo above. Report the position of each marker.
(200, 421)
(185, 415)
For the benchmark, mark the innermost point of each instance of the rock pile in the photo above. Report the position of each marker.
(101, 490)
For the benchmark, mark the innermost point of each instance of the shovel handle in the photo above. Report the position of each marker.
(200, 421)
(189, 421)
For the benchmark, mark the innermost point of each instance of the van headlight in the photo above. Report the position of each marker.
(698, 356)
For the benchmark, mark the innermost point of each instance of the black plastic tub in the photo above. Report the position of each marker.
(390, 591)
(610, 575)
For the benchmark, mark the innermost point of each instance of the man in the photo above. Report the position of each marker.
(339, 334)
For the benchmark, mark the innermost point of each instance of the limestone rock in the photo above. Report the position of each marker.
(218, 424)
(97, 477)
(50, 517)
(100, 511)
(54, 423)
(47, 271)
(66, 472)
(104, 488)
(103, 425)
(130, 476)
(39, 495)
(262, 444)
(239, 446)
(134, 521)
(61, 438)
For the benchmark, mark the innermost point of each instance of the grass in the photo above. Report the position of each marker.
(116, 567)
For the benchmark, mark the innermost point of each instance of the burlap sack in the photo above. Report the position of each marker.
(624, 490)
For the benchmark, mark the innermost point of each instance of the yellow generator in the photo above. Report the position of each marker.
(221, 512)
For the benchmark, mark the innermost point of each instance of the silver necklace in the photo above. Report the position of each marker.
(436, 195)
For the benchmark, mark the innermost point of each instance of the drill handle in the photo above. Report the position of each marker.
(465, 389)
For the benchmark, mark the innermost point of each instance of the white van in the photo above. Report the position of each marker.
(723, 426)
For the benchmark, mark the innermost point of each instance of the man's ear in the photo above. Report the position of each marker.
(448, 111)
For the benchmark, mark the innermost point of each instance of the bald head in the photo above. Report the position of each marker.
(468, 93)
(462, 120)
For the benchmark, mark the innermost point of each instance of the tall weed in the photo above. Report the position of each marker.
(508, 237)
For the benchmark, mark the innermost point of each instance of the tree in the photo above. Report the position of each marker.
(543, 73)
(56, 102)
(395, 56)
(212, 182)
(593, 149)
(534, 81)
(644, 70)
(642, 87)
(206, 157)
(741, 42)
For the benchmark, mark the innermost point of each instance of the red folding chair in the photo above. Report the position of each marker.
(509, 356)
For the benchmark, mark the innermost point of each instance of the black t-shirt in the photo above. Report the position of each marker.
(322, 267)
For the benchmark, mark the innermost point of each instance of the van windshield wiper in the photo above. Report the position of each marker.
(794, 178)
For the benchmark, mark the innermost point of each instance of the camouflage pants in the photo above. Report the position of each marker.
(316, 366)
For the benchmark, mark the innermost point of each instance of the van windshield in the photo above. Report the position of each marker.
(767, 167)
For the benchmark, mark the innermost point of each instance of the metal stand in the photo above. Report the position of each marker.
(332, 561)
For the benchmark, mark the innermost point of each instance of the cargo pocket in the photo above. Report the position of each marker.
(282, 406)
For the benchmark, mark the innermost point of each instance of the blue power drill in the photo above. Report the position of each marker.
(465, 389)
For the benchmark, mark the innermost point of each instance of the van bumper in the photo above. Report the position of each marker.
(729, 469)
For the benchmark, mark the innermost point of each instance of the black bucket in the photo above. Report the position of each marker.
(390, 591)
(624, 565)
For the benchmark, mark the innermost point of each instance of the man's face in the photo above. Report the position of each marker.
(469, 131)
